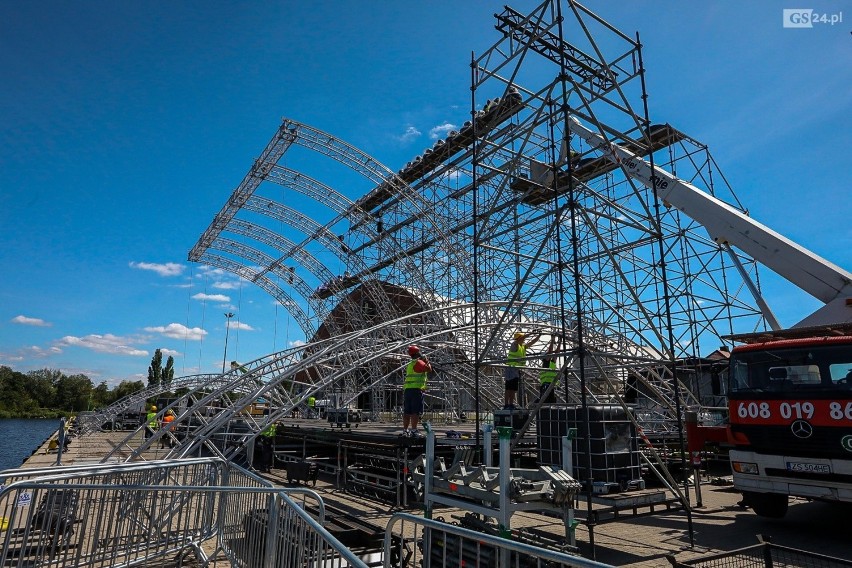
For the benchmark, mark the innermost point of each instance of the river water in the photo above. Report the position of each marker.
(19, 438)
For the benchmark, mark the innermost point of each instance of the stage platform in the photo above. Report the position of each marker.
(374, 458)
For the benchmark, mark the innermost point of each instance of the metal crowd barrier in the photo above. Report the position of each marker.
(413, 541)
(171, 513)
(765, 554)
(206, 511)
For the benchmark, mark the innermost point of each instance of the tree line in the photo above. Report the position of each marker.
(49, 393)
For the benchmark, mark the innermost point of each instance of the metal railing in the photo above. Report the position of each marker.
(171, 513)
(764, 554)
(417, 541)
(209, 512)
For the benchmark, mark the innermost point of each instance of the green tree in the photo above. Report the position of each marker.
(48, 393)
(14, 398)
(169, 372)
(42, 387)
(50, 375)
(73, 392)
(102, 396)
(155, 371)
(127, 387)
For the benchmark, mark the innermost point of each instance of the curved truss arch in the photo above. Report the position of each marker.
(93, 422)
(250, 253)
(267, 168)
(282, 244)
(305, 323)
(273, 152)
(288, 378)
(383, 177)
(318, 191)
(322, 234)
(315, 231)
(203, 391)
(304, 259)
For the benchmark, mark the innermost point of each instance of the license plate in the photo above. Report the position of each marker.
(805, 467)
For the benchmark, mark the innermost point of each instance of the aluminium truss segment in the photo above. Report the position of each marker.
(305, 322)
(261, 167)
(212, 414)
(133, 402)
(243, 199)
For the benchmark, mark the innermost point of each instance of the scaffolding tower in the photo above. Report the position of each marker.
(511, 222)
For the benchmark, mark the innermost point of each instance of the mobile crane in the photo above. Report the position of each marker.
(790, 390)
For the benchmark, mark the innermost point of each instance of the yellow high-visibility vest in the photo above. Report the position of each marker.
(549, 374)
(413, 379)
(517, 358)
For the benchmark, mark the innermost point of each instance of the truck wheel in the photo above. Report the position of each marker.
(770, 505)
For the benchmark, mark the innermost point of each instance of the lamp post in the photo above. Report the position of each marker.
(228, 315)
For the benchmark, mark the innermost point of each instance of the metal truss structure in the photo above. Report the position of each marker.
(510, 222)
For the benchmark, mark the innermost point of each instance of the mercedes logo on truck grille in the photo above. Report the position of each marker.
(801, 429)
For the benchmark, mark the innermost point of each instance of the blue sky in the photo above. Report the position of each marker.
(126, 125)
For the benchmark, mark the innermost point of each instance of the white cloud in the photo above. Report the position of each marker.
(36, 352)
(241, 325)
(211, 297)
(205, 271)
(410, 134)
(179, 331)
(108, 343)
(167, 269)
(168, 352)
(226, 285)
(298, 343)
(451, 174)
(11, 358)
(24, 320)
(441, 130)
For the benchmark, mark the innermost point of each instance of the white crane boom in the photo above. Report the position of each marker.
(728, 226)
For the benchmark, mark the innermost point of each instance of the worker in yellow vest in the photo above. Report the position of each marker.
(266, 445)
(516, 361)
(416, 372)
(549, 375)
(151, 424)
(166, 438)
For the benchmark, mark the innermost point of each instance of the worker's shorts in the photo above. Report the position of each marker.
(513, 378)
(551, 397)
(412, 401)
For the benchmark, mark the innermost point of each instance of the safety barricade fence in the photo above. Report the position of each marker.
(413, 541)
(765, 554)
(154, 514)
(191, 471)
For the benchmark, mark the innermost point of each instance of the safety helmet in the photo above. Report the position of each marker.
(153, 407)
(413, 350)
(520, 335)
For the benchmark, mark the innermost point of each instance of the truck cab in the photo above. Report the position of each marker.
(790, 405)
